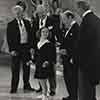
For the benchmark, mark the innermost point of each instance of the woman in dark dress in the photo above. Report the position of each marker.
(45, 60)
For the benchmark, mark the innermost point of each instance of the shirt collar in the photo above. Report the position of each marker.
(88, 11)
(40, 44)
(73, 22)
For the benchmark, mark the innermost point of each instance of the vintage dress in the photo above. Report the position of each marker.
(46, 52)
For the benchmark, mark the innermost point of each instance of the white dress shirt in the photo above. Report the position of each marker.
(23, 32)
(43, 22)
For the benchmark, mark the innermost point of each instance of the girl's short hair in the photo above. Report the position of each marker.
(38, 33)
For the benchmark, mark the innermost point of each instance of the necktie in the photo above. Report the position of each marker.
(41, 22)
(20, 23)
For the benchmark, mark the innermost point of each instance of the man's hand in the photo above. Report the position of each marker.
(32, 51)
(13, 53)
(45, 64)
(71, 61)
(63, 52)
(58, 43)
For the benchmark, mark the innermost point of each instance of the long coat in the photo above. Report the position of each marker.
(89, 46)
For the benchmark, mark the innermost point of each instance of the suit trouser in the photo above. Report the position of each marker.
(52, 80)
(87, 89)
(71, 79)
(22, 56)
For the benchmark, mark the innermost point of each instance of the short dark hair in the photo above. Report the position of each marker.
(69, 13)
(22, 4)
(83, 4)
(38, 33)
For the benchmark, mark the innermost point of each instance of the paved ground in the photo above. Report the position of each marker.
(5, 77)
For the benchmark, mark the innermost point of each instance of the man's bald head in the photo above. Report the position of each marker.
(83, 5)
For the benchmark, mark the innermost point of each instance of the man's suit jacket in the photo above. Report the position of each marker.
(89, 46)
(13, 35)
(70, 41)
(54, 22)
(35, 28)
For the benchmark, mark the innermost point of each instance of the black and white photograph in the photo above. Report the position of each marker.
(49, 50)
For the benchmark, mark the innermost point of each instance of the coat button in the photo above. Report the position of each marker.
(70, 34)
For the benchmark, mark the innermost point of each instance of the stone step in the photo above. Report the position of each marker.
(8, 96)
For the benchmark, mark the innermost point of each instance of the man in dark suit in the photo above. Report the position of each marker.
(69, 55)
(89, 52)
(20, 41)
(49, 22)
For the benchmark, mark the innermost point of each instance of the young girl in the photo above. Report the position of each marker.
(45, 60)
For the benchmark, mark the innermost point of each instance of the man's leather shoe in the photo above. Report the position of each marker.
(29, 89)
(39, 90)
(13, 91)
(52, 93)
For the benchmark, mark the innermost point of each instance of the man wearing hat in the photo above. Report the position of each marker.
(21, 44)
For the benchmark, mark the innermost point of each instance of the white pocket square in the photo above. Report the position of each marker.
(50, 27)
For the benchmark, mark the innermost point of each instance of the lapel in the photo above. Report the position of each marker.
(47, 21)
(69, 31)
(25, 24)
(15, 26)
(85, 18)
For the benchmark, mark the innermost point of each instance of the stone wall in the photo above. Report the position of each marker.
(5, 16)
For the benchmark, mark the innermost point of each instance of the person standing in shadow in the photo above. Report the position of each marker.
(89, 51)
(43, 20)
(45, 60)
(20, 42)
(69, 53)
